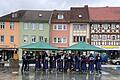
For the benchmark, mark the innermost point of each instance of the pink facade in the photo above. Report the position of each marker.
(55, 34)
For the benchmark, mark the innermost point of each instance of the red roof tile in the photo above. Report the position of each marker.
(108, 14)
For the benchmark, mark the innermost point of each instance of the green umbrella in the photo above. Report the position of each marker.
(39, 46)
(82, 46)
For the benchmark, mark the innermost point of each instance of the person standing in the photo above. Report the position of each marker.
(84, 63)
(45, 61)
(59, 62)
(37, 63)
(77, 62)
(0, 57)
(28, 57)
(70, 62)
(66, 64)
(98, 60)
(24, 63)
(91, 63)
(54, 62)
(50, 61)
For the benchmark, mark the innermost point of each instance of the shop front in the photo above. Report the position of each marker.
(7, 53)
(112, 51)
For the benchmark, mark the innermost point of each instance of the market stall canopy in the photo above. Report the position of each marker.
(82, 46)
(39, 46)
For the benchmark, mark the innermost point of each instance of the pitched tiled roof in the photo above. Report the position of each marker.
(28, 16)
(72, 15)
(36, 16)
(104, 14)
(65, 13)
(79, 14)
(9, 17)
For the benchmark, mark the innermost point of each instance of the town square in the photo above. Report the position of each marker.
(60, 40)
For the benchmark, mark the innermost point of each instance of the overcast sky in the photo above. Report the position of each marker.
(8, 6)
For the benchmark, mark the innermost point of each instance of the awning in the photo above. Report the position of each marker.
(82, 46)
(108, 48)
(39, 46)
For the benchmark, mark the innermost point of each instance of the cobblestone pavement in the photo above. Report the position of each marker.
(40, 75)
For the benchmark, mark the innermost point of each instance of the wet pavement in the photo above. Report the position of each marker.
(108, 74)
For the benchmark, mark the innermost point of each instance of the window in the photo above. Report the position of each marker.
(33, 26)
(45, 39)
(14, 15)
(25, 26)
(11, 25)
(74, 38)
(55, 27)
(11, 39)
(60, 40)
(64, 27)
(79, 38)
(95, 26)
(104, 37)
(95, 37)
(64, 40)
(79, 27)
(33, 39)
(2, 25)
(40, 15)
(40, 38)
(117, 26)
(60, 16)
(60, 27)
(1, 38)
(75, 27)
(113, 26)
(113, 37)
(99, 37)
(80, 15)
(25, 38)
(83, 27)
(105, 26)
(55, 40)
(40, 26)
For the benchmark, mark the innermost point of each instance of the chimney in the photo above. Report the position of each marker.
(107, 6)
(86, 6)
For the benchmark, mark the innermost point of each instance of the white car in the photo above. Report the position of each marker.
(116, 61)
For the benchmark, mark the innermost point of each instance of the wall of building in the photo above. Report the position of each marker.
(105, 34)
(79, 33)
(59, 34)
(30, 32)
(7, 32)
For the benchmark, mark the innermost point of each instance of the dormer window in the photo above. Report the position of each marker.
(60, 16)
(40, 15)
(80, 16)
(14, 15)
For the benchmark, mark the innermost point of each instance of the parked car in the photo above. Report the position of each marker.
(116, 61)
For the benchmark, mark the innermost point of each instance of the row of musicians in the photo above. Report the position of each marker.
(66, 62)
